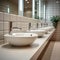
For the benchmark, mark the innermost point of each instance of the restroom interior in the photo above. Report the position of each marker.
(33, 18)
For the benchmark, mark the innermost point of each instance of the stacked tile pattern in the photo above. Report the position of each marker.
(17, 21)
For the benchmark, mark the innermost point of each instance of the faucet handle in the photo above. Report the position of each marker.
(16, 28)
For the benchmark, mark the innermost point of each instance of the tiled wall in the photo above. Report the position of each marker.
(17, 21)
(52, 9)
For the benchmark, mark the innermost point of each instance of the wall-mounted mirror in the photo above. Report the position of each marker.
(9, 6)
(28, 8)
(36, 9)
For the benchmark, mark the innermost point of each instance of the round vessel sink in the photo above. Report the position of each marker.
(50, 28)
(20, 39)
(39, 32)
(47, 29)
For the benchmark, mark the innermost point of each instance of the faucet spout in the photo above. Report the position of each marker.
(10, 28)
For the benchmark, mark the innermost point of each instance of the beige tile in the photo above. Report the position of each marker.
(6, 17)
(4, 25)
(6, 31)
(19, 18)
(20, 24)
(23, 26)
(13, 17)
(23, 21)
(1, 26)
(39, 26)
(24, 29)
(1, 35)
(1, 16)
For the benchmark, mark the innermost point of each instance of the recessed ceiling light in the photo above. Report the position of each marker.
(28, 2)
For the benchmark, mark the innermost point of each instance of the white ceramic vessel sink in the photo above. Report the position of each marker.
(50, 28)
(47, 29)
(39, 32)
(20, 39)
(15, 31)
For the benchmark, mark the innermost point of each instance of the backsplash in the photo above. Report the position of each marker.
(17, 21)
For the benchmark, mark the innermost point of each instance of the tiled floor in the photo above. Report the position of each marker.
(53, 51)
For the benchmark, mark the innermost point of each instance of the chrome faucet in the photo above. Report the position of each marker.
(16, 28)
(10, 28)
(29, 26)
(37, 25)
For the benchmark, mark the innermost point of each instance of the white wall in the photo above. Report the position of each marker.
(52, 9)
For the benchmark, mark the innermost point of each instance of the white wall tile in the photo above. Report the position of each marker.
(1, 35)
(1, 16)
(4, 26)
(17, 21)
(13, 17)
(6, 17)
